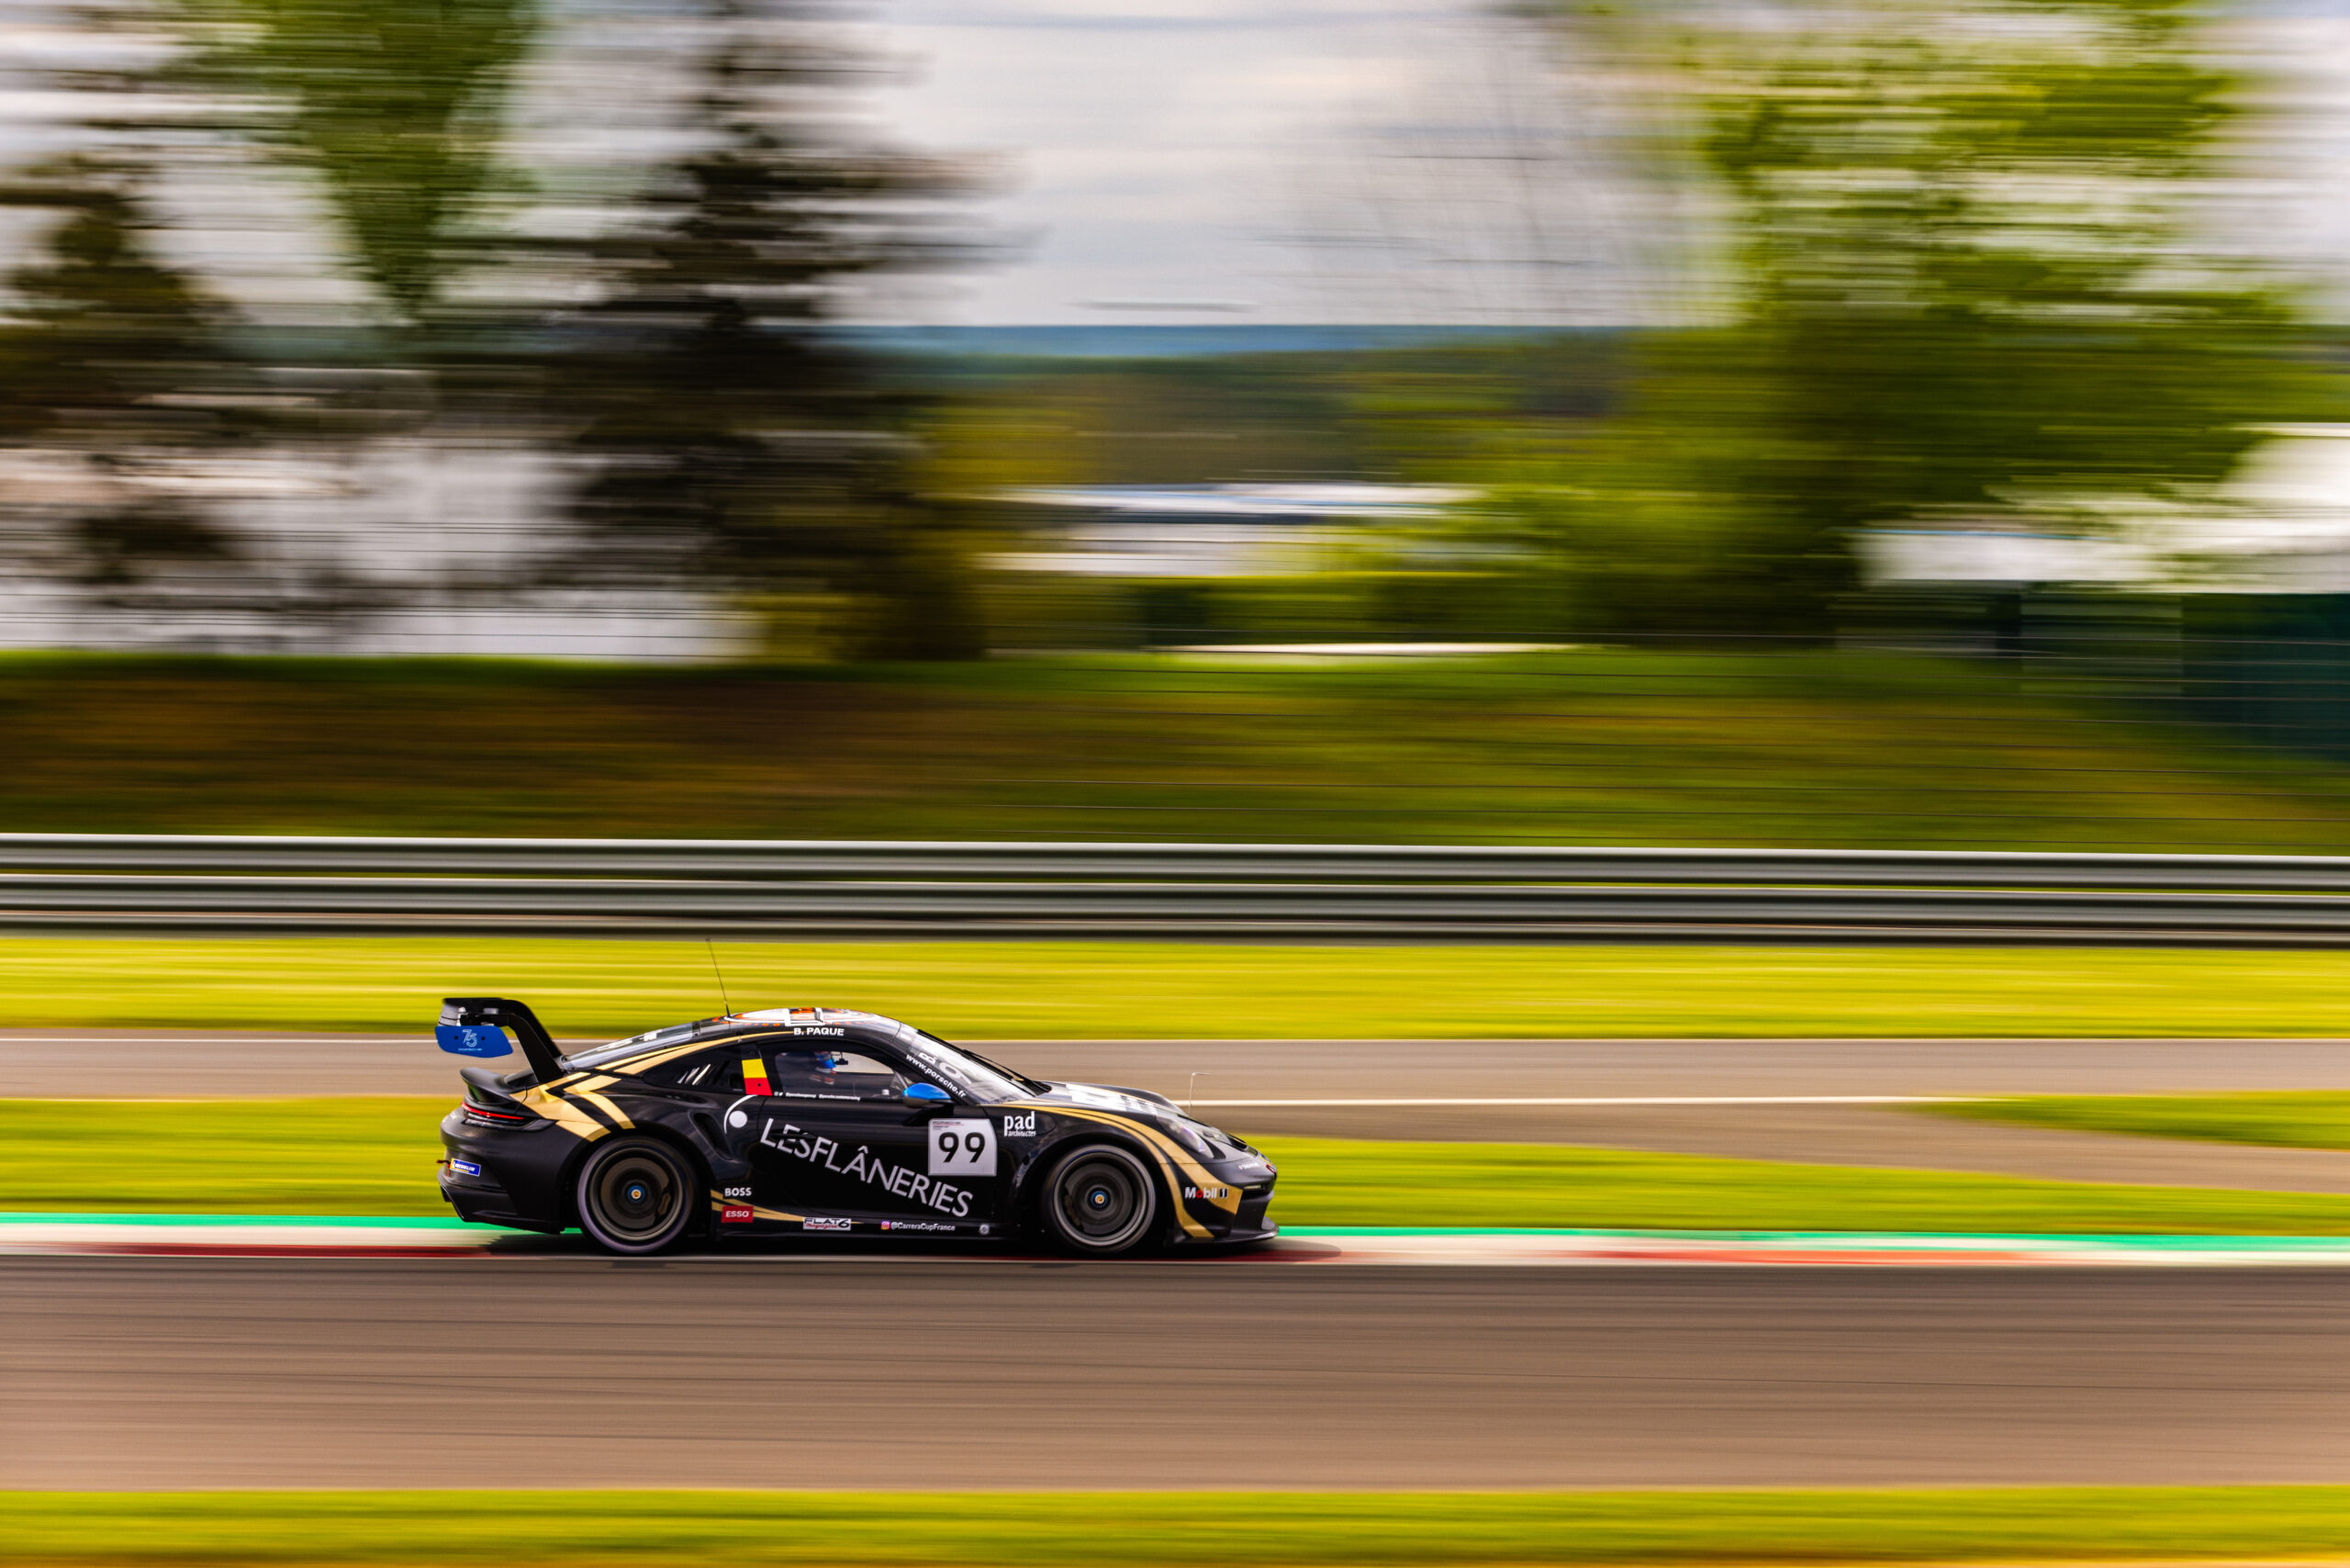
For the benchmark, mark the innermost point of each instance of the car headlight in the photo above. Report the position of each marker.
(1190, 1137)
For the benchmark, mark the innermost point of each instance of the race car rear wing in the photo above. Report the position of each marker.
(464, 1017)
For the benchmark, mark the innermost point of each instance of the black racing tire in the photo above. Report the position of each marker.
(635, 1195)
(1101, 1201)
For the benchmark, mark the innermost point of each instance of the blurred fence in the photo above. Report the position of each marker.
(656, 887)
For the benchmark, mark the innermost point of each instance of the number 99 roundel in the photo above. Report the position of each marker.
(962, 1148)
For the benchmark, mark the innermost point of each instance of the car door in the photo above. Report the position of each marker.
(835, 1140)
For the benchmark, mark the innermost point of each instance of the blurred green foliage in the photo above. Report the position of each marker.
(112, 357)
(1185, 421)
(102, 331)
(1967, 287)
(723, 436)
(1970, 280)
(1961, 255)
(656, 320)
(398, 106)
(2283, 1119)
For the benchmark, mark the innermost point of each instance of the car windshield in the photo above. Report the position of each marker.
(973, 1076)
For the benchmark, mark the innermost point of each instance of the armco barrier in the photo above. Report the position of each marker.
(740, 887)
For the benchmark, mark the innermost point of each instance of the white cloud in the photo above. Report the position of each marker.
(1128, 14)
(1168, 147)
(1152, 134)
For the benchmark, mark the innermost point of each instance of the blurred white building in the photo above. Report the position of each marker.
(2281, 525)
(1221, 531)
(412, 546)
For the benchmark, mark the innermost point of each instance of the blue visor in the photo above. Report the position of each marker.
(472, 1039)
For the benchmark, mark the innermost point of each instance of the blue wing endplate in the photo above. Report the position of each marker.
(472, 1039)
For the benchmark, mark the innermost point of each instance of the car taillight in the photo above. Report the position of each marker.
(482, 1116)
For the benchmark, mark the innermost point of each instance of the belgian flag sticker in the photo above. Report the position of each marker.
(754, 1076)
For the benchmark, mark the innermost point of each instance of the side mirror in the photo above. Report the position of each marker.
(923, 1096)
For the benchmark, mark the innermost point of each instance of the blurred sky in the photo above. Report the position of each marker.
(1413, 162)
(1235, 152)
(1181, 150)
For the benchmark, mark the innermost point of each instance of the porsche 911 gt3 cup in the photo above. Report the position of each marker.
(821, 1121)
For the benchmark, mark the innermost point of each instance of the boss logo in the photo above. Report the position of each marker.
(738, 1191)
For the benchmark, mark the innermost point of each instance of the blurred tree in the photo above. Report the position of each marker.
(397, 105)
(114, 360)
(1967, 282)
(1971, 282)
(722, 435)
(725, 435)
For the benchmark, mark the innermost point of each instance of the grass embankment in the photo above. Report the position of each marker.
(2286, 1119)
(1590, 746)
(1180, 990)
(374, 1157)
(1181, 1530)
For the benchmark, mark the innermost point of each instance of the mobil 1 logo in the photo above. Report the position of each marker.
(962, 1148)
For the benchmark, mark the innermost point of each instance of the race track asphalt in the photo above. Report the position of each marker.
(143, 1372)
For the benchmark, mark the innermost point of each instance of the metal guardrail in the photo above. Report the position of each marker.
(822, 888)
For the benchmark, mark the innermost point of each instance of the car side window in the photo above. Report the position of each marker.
(834, 1075)
(718, 1071)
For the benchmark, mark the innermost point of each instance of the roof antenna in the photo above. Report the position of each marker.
(721, 976)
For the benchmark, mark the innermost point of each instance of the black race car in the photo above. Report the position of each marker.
(816, 1119)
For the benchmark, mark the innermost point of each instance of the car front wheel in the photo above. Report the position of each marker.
(635, 1196)
(1100, 1202)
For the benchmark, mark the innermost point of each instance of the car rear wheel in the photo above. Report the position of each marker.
(635, 1195)
(1100, 1202)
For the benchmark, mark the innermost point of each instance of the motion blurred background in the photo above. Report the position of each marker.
(1731, 425)
(1344, 420)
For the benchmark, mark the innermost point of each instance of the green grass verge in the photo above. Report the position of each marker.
(2287, 1119)
(1598, 746)
(1351, 1181)
(1183, 989)
(374, 1157)
(1178, 1528)
(344, 1156)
